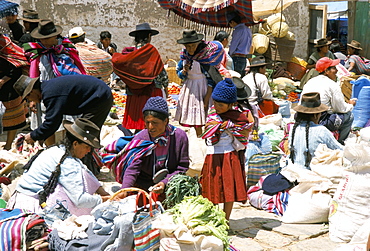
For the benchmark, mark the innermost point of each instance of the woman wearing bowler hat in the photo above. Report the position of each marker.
(57, 173)
(50, 57)
(197, 58)
(307, 134)
(141, 68)
(355, 62)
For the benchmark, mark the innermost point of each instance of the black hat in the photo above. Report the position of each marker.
(275, 183)
(46, 29)
(258, 61)
(190, 36)
(242, 90)
(30, 16)
(143, 27)
(84, 130)
(24, 85)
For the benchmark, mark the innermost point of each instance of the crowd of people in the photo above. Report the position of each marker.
(222, 89)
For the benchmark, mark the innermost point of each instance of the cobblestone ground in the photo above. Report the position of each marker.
(252, 229)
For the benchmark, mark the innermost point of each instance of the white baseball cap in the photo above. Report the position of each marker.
(75, 32)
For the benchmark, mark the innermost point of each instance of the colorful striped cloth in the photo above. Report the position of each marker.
(212, 54)
(13, 226)
(63, 57)
(12, 52)
(97, 62)
(126, 150)
(8, 8)
(212, 13)
(122, 152)
(276, 203)
(238, 122)
(362, 65)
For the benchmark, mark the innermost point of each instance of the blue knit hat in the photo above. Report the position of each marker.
(225, 92)
(157, 104)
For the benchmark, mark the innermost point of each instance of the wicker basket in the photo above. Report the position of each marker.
(125, 191)
(171, 72)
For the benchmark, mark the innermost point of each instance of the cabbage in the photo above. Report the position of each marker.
(202, 217)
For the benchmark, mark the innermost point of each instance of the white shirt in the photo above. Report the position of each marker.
(330, 94)
(262, 84)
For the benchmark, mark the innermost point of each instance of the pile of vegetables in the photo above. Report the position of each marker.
(179, 186)
(201, 217)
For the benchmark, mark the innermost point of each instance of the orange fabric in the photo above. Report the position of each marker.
(139, 68)
(267, 107)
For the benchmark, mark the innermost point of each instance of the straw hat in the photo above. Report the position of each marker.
(355, 44)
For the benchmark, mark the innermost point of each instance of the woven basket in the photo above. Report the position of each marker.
(124, 191)
(260, 43)
(171, 72)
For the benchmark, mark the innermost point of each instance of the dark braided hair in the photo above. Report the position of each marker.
(50, 186)
(301, 117)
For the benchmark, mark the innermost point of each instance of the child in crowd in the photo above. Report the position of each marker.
(106, 43)
(227, 129)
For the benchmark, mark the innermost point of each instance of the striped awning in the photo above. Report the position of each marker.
(210, 12)
(8, 8)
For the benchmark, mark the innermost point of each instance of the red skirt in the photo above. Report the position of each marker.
(223, 178)
(133, 118)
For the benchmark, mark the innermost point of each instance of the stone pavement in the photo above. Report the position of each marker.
(252, 229)
(257, 230)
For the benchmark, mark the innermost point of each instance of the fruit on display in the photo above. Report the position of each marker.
(119, 99)
(173, 89)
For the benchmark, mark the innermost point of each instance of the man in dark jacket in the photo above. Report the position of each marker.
(66, 95)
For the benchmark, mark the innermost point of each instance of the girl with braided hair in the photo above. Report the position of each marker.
(307, 134)
(58, 173)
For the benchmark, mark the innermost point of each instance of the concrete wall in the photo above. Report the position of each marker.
(297, 17)
(120, 17)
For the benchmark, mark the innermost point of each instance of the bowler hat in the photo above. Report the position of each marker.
(84, 130)
(258, 61)
(46, 29)
(355, 44)
(24, 85)
(242, 90)
(311, 104)
(322, 42)
(143, 27)
(190, 36)
(30, 16)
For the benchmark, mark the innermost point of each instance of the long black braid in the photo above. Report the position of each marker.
(307, 153)
(50, 186)
(301, 117)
